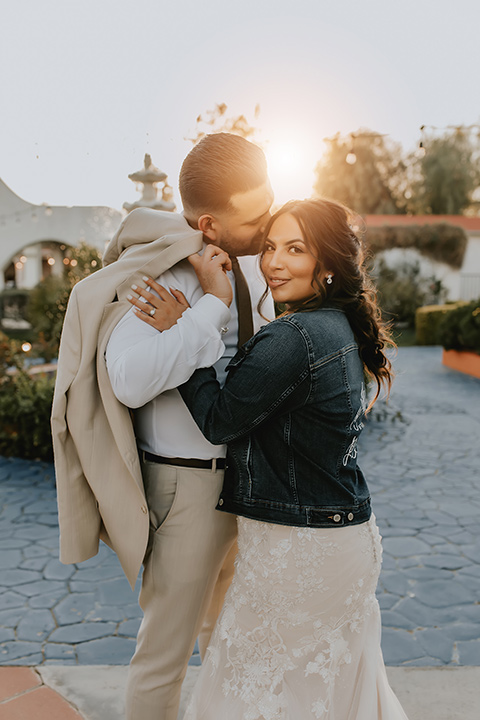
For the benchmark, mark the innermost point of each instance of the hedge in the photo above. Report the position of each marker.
(439, 241)
(460, 328)
(456, 326)
(428, 320)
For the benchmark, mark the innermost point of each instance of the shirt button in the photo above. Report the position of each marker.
(350, 516)
(336, 518)
(144, 509)
(220, 502)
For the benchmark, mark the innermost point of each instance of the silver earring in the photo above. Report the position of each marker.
(329, 279)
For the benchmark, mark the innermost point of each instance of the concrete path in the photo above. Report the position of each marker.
(425, 694)
(421, 457)
(96, 692)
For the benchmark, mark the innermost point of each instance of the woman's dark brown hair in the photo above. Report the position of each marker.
(337, 249)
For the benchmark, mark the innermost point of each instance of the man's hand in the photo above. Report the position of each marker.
(211, 269)
(161, 310)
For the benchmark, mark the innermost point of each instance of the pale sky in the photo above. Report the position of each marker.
(89, 86)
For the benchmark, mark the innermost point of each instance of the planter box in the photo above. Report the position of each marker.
(466, 362)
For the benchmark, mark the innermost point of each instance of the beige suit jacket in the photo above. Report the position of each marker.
(99, 484)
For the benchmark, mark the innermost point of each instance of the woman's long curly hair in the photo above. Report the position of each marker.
(338, 250)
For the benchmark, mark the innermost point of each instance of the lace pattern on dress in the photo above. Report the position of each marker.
(283, 613)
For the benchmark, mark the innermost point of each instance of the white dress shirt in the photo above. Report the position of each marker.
(146, 366)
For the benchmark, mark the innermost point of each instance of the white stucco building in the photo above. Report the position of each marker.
(34, 238)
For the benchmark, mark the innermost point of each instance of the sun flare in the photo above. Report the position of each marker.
(291, 169)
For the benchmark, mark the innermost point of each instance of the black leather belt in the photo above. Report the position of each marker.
(185, 462)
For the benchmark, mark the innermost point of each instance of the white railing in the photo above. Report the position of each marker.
(469, 286)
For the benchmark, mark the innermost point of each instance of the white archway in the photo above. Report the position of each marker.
(35, 262)
(36, 228)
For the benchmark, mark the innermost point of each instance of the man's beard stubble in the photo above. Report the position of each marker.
(236, 248)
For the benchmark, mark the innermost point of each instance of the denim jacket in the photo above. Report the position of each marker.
(291, 412)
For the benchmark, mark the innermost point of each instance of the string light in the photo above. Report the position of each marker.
(421, 150)
(351, 157)
(459, 128)
(18, 215)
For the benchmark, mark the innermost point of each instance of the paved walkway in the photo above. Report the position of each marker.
(86, 692)
(421, 456)
(423, 463)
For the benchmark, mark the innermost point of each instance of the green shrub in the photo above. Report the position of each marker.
(45, 312)
(460, 328)
(25, 407)
(440, 241)
(48, 300)
(428, 320)
(13, 302)
(25, 398)
(402, 290)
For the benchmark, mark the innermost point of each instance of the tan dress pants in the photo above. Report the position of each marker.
(187, 570)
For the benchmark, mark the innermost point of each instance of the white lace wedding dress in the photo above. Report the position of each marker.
(299, 634)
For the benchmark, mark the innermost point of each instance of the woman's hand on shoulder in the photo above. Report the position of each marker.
(161, 308)
(211, 269)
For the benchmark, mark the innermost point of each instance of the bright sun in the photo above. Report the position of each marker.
(291, 169)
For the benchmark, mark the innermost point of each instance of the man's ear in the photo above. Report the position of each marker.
(209, 226)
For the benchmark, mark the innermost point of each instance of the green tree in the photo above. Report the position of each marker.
(216, 121)
(83, 260)
(447, 173)
(48, 300)
(363, 170)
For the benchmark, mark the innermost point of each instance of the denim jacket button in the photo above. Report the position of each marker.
(336, 518)
(350, 516)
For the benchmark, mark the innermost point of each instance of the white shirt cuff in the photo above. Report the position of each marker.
(214, 310)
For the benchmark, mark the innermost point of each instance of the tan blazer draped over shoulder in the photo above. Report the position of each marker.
(99, 483)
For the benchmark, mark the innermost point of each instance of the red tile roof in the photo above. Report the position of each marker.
(467, 223)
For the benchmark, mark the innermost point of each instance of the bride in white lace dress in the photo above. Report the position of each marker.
(299, 634)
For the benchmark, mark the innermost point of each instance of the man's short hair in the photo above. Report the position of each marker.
(219, 166)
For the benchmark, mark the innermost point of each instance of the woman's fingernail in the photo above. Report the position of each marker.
(129, 297)
(145, 278)
(134, 287)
